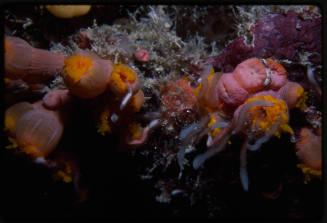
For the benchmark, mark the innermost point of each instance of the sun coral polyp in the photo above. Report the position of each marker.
(251, 74)
(136, 102)
(86, 75)
(22, 61)
(308, 150)
(103, 122)
(294, 95)
(230, 91)
(277, 74)
(36, 129)
(206, 93)
(76, 66)
(38, 132)
(109, 115)
(264, 117)
(13, 114)
(123, 80)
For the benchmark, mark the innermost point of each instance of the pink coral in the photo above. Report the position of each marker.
(232, 89)
(142, 56)
(253, 100)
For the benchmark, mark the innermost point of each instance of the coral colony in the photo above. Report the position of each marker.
(180, 103)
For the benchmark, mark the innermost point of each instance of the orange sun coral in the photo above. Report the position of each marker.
(37, 129)
(309, 152)
(123, 80)
(22, 61)
(86, 75)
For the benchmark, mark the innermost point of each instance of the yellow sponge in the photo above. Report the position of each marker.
(68, 11)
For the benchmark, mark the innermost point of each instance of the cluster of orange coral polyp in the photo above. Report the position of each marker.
(22, 61)
(87, 75)
(123, 80)
(308, 149)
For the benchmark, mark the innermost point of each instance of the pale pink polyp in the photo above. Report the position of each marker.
(230, 91)
(251, 75)
(142, 55)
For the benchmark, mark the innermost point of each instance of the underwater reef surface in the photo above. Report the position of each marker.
(162, 112)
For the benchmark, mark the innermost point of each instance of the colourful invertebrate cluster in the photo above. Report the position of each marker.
(258, 95)
(89, 77)
(150, 95)
(36, 128)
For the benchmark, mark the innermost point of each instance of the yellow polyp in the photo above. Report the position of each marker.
(76, 66)
(186, 78)
(309, 173)
(271, 114)
(29, 149)
(122, 74)
(210, 76)
(197, 90)
(136, 106)
(64, 174)
(103, 126)
(303, 96)
(135, 130)
(212, 121)
(68, 11)
(229, 142)
(13, 143)
(286, 128)
(10, 123)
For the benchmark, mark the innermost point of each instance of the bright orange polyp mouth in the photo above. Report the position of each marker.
(271, 114)
(302, 97)
(76, 66)
(121, 75)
